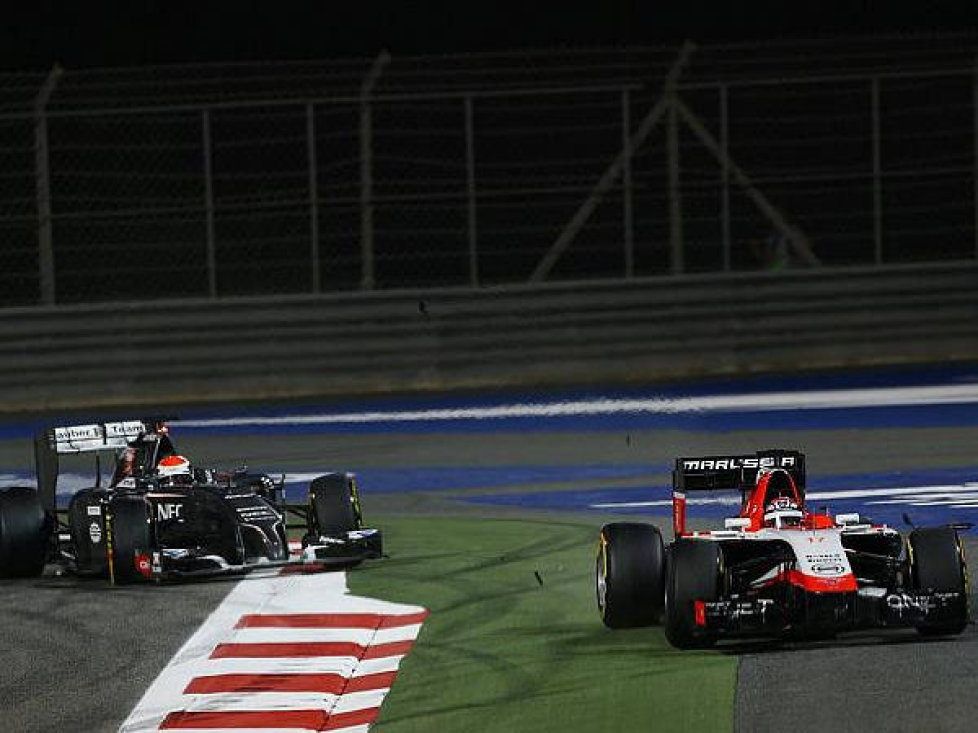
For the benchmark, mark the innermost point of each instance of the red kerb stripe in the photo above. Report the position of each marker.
(392, 649)
(329, 620)
(356, 717)
(326, 683)
(292, 649)
(274, 649)
(316, 720)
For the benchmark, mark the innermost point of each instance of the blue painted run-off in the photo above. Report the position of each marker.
(374, 415)
(383, 409)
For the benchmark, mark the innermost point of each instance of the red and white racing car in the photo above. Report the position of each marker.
(776, 569)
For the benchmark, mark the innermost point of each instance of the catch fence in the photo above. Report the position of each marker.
(481, 170)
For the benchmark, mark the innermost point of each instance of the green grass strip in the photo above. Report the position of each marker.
(503, 652)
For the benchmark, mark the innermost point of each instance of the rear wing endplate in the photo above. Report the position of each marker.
(729, 473)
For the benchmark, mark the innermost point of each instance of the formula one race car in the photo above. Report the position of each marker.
(776, 569)
(159, 517)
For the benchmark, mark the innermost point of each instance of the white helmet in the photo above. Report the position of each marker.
(173, 466)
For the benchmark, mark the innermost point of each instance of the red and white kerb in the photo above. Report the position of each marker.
(284, 652)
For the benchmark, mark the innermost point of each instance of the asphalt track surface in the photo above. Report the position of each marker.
(75, 655)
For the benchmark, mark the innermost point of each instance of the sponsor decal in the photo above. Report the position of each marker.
(166, 511)
(824, 558)
(735, 610)
(900, 602)
(78, 432)
(828, 569)
(782, 504)
(729, 464)
(257, 513)
(94, 510)
(95, 532)
(128, 429)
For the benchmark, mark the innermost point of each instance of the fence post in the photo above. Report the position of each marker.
(675, 200)
(205, 124)
(611, 173)
(313, 196)
(470, 188)
(974, 117)
(725, 179)
(877, 178)
(367, 278)
(42, 182)
(626, 180)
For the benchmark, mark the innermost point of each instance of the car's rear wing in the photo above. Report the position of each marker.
(95, 438)
(728, 473)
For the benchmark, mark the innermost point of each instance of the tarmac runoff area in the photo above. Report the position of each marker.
(79, 656)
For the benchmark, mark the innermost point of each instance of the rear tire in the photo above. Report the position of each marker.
(131, 536)
(694, 573)
(24, 533)
(629, 575)
(937, 565)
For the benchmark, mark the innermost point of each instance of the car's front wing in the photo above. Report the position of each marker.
(799, 611)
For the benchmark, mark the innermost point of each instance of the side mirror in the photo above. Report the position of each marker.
(845, 519)
(736, 523)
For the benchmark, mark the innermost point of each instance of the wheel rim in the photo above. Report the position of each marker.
(600, 580)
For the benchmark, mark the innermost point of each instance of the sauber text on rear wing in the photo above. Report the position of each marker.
(96, 437)
(75, 439)
(728, 473)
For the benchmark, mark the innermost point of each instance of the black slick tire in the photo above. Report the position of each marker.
(131, 536)
(629, 575)
(335, 510)
(24, 533)
(694, 572)
(937, 565)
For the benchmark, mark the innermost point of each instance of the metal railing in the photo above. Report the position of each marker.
(484, 170)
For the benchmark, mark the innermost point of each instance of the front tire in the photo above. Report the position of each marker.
(335, 505)
(937, 565)
(694, 573)
(24, 533)
(630, 572)
(131, 537)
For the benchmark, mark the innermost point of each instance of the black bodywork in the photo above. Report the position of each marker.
(212, 522)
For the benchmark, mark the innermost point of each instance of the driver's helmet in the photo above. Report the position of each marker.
(782, 511)
(175, 469)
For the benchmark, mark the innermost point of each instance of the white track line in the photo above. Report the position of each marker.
(750, 402)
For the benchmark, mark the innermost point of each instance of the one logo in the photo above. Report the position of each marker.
(95, 532)
(816, 538)
(167, 511)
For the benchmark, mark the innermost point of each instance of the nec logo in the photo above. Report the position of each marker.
(168, 511)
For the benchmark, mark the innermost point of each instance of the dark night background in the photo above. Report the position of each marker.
(141, 32)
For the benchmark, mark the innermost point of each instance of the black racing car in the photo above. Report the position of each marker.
(146, 524)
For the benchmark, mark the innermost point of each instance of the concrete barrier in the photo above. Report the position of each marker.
(159, 353)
